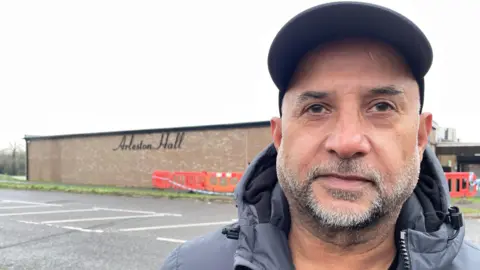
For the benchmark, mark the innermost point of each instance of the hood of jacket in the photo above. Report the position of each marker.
(429, 240)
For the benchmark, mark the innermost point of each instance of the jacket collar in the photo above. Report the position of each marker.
(264, 221)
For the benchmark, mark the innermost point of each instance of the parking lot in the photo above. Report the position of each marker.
(50, 230)
(46, 230)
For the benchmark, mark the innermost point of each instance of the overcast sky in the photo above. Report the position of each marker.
(97, 65)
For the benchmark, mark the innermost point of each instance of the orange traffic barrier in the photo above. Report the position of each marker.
(222, 181)
(219, 182)
(192, 180)
(179, 180)
(459, 184)
(159, 179)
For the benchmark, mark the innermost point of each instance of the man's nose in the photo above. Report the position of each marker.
(348, 140)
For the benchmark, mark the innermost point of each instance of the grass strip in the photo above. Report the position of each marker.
(119, 191)
(12, 183)
(465, 201)
(467, 210)
(8, 177)
(468, 206)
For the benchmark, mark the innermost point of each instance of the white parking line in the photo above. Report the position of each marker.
(32, 203)
(25, 206)
(47, 212)
(176, 226)
(63, 227)
(80, 229)
(125, 210)
(171, 240)
(28, 222)
(109, 218)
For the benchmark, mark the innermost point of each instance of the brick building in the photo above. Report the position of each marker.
(128, 158)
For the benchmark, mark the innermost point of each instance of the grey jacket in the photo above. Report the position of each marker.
(427, 239)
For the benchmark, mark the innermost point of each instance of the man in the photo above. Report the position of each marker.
(349, 181)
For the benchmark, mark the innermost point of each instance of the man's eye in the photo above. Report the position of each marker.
(317, 108)
(382, 107)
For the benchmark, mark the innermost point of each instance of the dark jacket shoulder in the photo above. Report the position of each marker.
(211, 251)
(468, 257)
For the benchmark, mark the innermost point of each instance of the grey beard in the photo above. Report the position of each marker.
(301, 196)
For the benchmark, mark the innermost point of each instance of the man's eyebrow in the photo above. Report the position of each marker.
(308, 95)
(386, 90)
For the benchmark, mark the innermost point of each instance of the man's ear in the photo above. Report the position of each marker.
(424, 130)
(276, 129)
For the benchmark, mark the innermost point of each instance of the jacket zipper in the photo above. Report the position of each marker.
(404, 250)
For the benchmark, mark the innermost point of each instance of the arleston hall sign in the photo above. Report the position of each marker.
(167, 141)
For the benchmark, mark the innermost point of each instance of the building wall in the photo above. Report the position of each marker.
(448, 161)
(432, 139)
(114, 160)
(475, 168)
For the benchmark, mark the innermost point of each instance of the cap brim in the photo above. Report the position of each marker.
(339, 20)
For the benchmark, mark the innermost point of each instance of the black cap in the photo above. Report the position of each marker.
(337, 20)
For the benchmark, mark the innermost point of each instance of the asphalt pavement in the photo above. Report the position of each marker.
(54, 230)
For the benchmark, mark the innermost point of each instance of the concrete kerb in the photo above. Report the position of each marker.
(472, 216)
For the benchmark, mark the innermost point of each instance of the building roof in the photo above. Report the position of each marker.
(146, 131)
(457, 144)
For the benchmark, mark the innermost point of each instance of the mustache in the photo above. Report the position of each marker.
(344, 167)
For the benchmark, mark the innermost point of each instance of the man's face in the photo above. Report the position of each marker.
(350, 140)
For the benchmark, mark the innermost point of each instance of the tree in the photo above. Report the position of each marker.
(13, 160)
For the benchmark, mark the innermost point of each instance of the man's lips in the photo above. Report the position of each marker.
(354, 183)
(346, 177)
